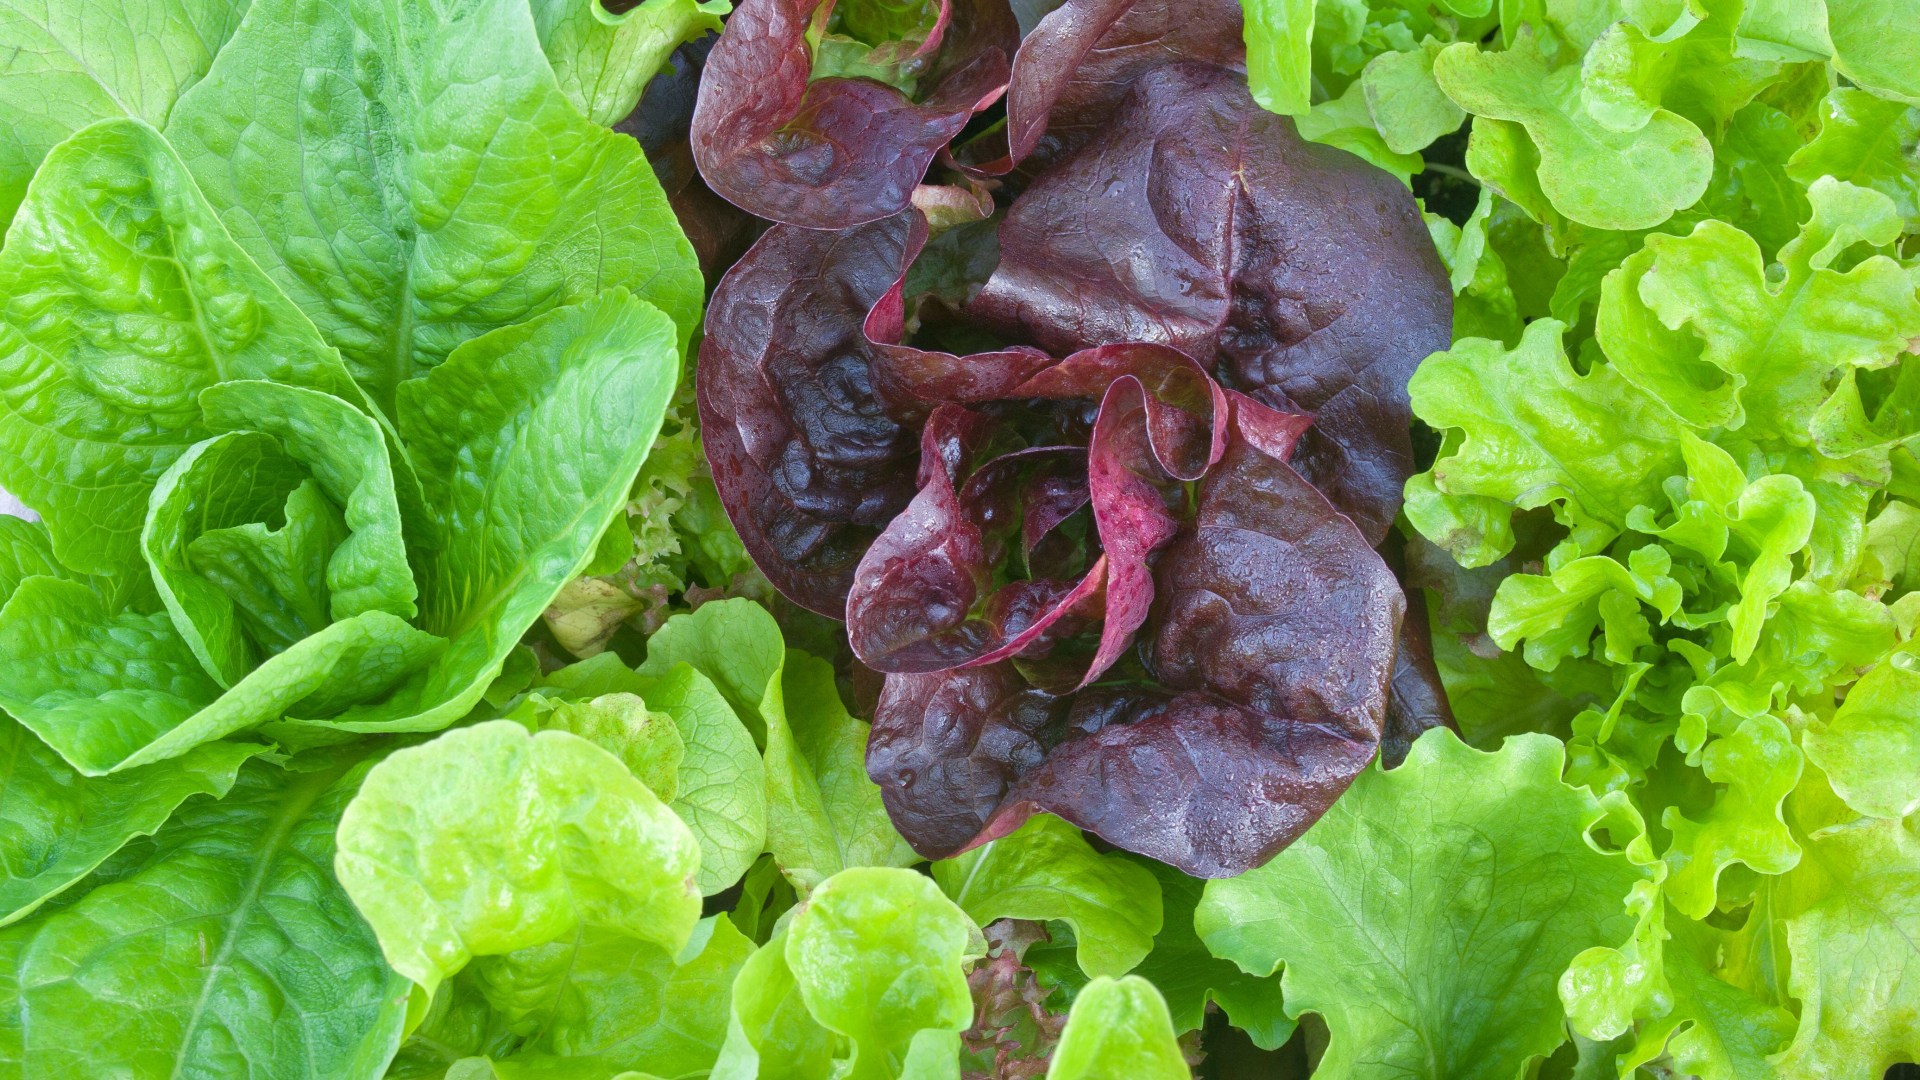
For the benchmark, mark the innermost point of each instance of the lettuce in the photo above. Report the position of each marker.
(1000, 635)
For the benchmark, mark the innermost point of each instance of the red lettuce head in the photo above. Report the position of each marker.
(1112, 540)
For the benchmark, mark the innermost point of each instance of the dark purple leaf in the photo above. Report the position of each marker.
(836, 152)
(1073, 70)
(924, 597)
(807, 461)
(1273, 636)
(1198, 220)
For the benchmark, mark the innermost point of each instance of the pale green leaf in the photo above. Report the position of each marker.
(602, 61)
(1118, 1030)
(490, 839)
(72, 64)
(126, 299)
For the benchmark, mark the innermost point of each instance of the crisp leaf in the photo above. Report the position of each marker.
(491, 839)
(1118, 1030)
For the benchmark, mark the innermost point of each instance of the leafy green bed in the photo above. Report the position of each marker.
(386, 692)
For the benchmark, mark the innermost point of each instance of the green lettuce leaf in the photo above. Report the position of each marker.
(57, 826)
(1426, 928)
(139, 301)
(877, 956)
(1045, 870)
(552, 417)
(221, 946)
(602, 61)
(1118, 1028)
(461, 212)
(823, 813)
(73, 64)
(491, 839)
(719, 784)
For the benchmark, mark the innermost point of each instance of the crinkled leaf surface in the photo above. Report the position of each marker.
(597, 1001)
(876, 954)
(720, 788)
(126, 298)
(490, 839)
(78, 63)
(350, 150)
(602, 61)
(823, 814)
(223, 946)
(526, 441)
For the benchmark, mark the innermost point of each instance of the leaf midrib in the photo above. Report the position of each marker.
(295, 801)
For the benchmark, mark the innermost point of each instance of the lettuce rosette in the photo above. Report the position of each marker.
(1149, 600)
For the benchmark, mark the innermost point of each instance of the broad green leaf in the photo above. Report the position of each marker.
(1870, 750)
(95, 684)
(877, 955)
(222, 947)
(126, 299)
(56, 826)
(1189, 976)
(770, 1033)
(602, 61)
(1406, 104)
(1345, 122)
(1868, 141)
(1759, 765)
(823, 813)
(1592, 173)
(1852, 915)
(526, 441)
(735, 643)
(1279, 37)
(116, 690)
(721, 787)
(1118, 1030)
(1536, 431)
(604, 1002)
(491, 839)
(73, 64)
(721, 790)
(1428, 929)
(26, 550)
(1794, 31)
(412, 177)
(1876, 43)
(1045, 870)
